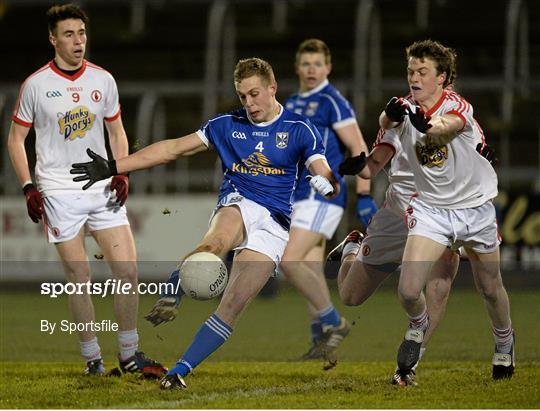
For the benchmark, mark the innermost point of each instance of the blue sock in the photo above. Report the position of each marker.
(316, 331)
(173, 288)
(208, 339)
(329, 317)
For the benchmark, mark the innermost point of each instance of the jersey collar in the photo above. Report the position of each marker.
(315, 90)
(437, 104)
(267, 123)
(74, 77)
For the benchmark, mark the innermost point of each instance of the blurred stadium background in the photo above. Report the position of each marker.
(173, 62)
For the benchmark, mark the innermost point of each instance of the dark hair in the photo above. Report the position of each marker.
(63, 12)
(444, 57)
(314, 46)
(254, 67)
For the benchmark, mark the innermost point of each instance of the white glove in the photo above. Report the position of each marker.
(321, 185)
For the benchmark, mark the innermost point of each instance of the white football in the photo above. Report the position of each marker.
(203, 276)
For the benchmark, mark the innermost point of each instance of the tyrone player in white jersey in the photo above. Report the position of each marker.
(453, 207)
(366, 263)
(262, 148)
(68, 101)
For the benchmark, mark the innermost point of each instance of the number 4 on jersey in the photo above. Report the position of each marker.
(259, 147)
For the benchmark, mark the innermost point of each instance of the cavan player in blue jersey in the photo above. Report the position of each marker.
(316, 218)
(262, 148)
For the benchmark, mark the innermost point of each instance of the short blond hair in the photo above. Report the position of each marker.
(254, 66)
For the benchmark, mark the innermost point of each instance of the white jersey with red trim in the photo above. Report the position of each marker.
(455, 175)
(67, 113)
(400, 175)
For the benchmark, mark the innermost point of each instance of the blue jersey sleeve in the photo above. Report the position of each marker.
(212, 129)
(340, 112)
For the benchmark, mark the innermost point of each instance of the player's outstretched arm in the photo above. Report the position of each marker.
(444, 128)
(441, 130)
(393, 113)
(351, 136)
(155, 154)
(370, 166)
(323, 180)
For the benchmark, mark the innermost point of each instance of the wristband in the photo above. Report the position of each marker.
(27, 187)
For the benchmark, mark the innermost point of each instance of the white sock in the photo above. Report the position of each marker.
(350, 248)
(420, 322)
(90, 349)
(503, 339)
(128, 342)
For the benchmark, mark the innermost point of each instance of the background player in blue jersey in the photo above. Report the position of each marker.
(316, 218)
(262, 148)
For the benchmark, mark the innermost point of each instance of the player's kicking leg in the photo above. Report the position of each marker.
(249, 274)
(216, 241)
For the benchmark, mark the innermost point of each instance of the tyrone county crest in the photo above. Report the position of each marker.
(282, 139)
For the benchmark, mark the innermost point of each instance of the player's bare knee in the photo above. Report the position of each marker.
(409, 295)
(349, 298)
(77, 273)
(216, 245)
(489, 292)
(288, 267)
(126, 272)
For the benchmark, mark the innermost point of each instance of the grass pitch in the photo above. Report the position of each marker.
(257, 367)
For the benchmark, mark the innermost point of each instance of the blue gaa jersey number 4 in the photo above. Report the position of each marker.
(262, 161)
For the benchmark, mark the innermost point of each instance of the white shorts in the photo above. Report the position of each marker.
(65, 214)
(385, 240)
(263, 233)
(317, 216)
(474, 228)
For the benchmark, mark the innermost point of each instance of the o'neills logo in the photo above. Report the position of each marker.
(75, 123)
(255, 164)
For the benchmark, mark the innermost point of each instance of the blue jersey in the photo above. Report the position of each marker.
(328, 110)
(262, 162)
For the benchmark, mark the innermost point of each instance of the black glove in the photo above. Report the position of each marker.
(419, 120)
(352, 165)
(488, 153)
(395, 109)
(95, 170)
